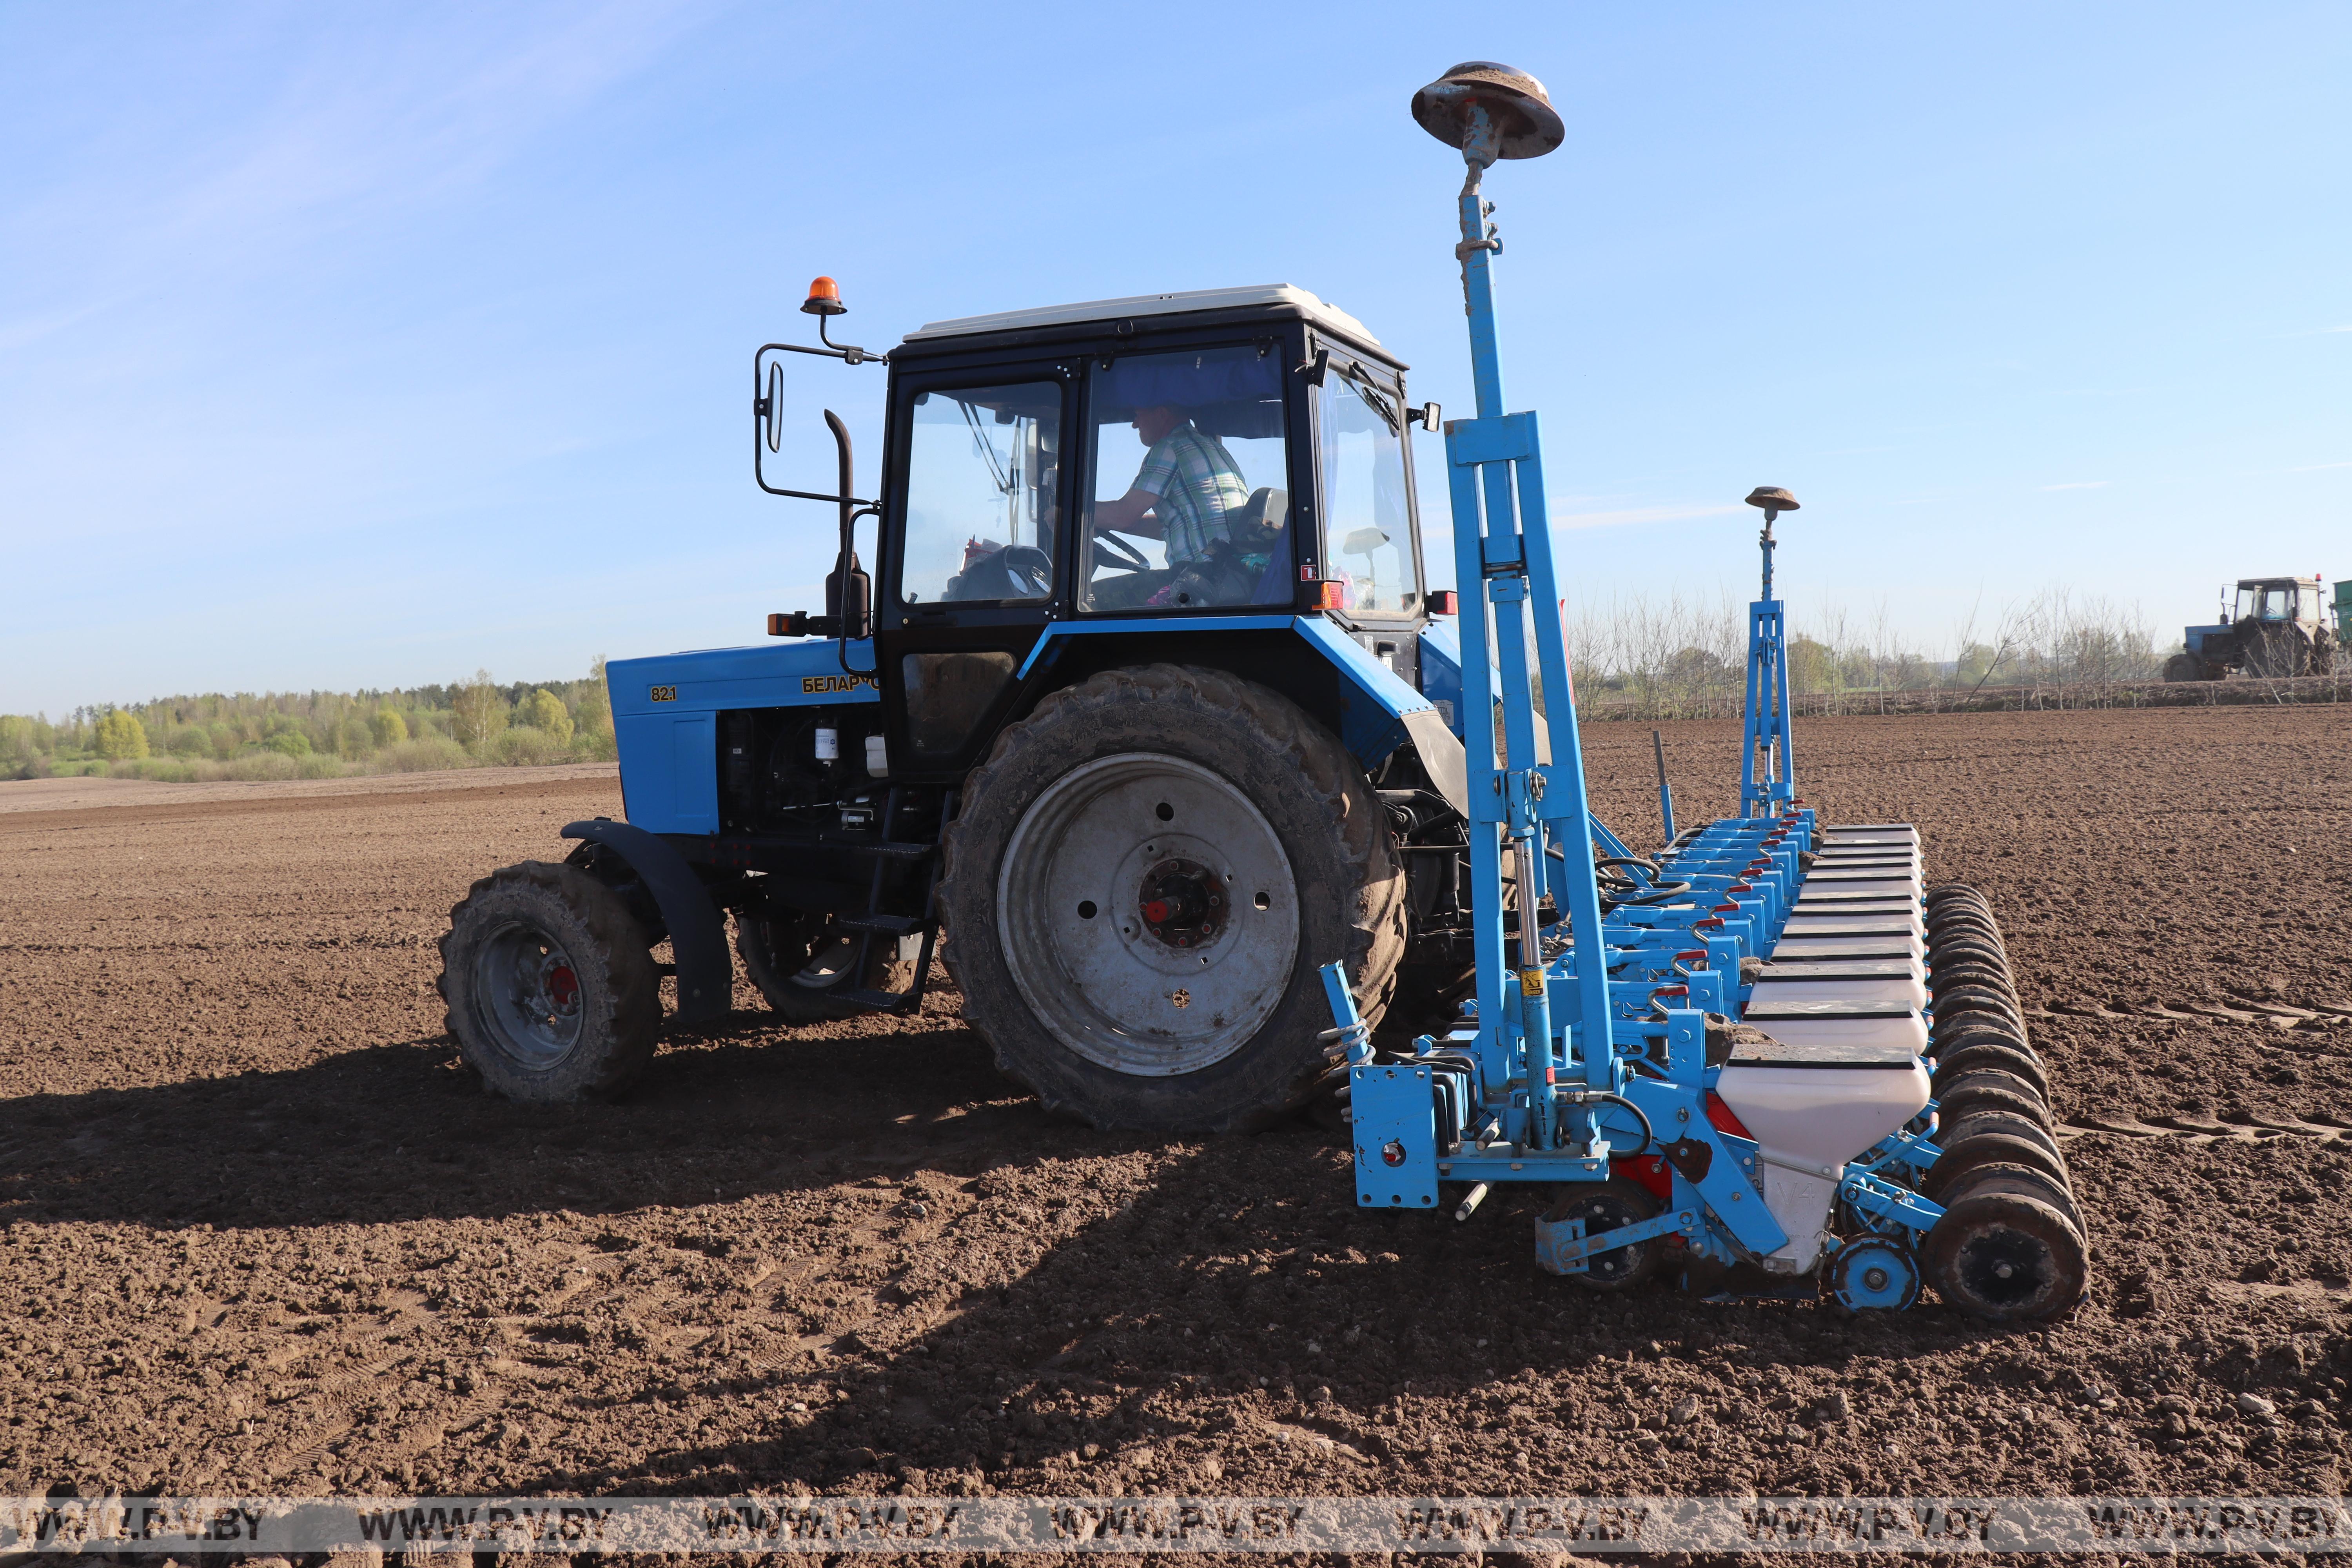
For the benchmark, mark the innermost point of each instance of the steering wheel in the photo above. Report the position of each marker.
(1123, 553)
(1027, 561)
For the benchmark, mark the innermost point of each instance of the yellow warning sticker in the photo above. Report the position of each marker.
(1531, 982)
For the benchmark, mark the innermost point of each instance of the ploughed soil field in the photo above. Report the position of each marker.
(260, 1232)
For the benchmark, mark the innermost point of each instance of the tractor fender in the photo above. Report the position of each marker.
(705, 976)
(1379, 712)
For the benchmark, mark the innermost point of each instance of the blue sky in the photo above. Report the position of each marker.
(367, 344)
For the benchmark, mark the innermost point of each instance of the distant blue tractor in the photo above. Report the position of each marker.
(2279, 629)
(1141, 710)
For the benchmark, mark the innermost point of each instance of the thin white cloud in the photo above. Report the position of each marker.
(2079, 485)
(2315, 467)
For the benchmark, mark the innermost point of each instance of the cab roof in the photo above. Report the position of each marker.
(1186, 303)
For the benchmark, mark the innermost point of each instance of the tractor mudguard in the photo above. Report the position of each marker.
(706, 976)
(1378, 711)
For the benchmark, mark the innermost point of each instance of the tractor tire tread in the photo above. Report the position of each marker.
(629, 1022)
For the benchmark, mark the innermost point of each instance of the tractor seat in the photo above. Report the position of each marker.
(1256, 523)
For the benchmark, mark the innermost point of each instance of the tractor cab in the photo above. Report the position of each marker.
(2296, 601)
(1138, 469)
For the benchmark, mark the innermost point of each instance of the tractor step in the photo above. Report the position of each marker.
(880, 1001)
(892, 851)
(888, 925)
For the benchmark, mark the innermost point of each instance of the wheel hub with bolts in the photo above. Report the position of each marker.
(1116, 895)
(1182, 904)
(532, 992)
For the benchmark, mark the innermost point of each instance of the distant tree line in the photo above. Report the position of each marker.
(1671, 658)
(477, 723)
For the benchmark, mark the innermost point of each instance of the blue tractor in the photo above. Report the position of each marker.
(2280, 630)
(1138, 716)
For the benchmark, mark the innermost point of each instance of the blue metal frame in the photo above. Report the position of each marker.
(1502, 541)
(1543, 1084)
(1767, 762)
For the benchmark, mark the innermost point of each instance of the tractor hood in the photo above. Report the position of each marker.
(666, 717)
(783, 675)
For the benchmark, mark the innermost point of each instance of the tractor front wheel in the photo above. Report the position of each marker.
(2184, 667)
(552, 991)
(1142, 881)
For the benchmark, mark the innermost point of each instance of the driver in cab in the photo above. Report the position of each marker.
(1183, 495)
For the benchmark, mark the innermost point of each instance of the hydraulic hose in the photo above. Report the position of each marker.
(1589, 1097)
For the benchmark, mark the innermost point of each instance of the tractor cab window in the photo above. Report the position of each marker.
(2273, 604)
(1367, 526)
(1191, 482)
(984, 465)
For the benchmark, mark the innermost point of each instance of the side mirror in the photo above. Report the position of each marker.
(772, 407)
(1427, 416)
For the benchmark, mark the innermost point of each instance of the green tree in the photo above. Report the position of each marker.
(543, 709)
(292, 742)
(595, 712)
(119, 736)
(352, 737)
(1811, 666)
(387, 728)
(478, 711)
(20, 747)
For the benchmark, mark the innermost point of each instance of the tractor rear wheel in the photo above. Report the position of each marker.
(551, 990)
(1140, 885)
(2184, 667)
(2277, 651)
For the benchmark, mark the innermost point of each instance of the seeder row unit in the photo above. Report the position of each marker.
(1766, 1059)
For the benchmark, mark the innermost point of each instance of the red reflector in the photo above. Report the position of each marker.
(1445, 601)
(1331, 594)
(1392, 1153)
(776, 626)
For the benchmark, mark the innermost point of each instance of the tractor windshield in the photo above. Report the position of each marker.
(2265, 604)
(982, 470)
(1367, 527)
(1190, 485)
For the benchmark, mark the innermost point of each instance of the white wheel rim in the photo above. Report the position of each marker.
(1112, 986)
